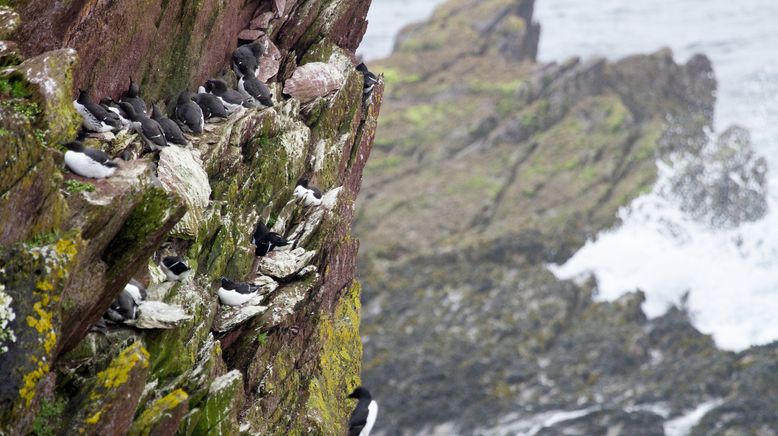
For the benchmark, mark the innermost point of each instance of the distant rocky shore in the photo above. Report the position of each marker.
(488, 166)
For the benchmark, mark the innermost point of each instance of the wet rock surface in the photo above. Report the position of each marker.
(485, 170)
(281, 365)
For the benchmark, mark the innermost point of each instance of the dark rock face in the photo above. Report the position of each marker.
(486, 169)
(69, 245)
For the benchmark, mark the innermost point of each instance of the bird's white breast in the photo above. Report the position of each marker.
(234, 298)
(85, 166)
(372, 414)
(134, 293)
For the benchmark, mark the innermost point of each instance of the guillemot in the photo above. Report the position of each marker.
(364, 415)
(171, 130)
(188, 113)
(235, 294)
(265, 240)
(88, 162)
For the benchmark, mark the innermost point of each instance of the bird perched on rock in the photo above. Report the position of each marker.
(309, 195)
(230, 98)
(266, 241)
(245, 59)
(370, 79)
(131, 96)
(188, 113)
(88, 162)
(175, 268)
(251, 87)
(171, 130)
(147, 128)
(210, 105)
(96, 117)
(110, 105)
(125, 307)
(235, 294)
(364, 415)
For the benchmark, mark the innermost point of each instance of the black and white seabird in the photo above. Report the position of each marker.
(99, 327)
(136, 290)
(188, 113)
(148, 129)
(175, 268)
(88, 162)
(235, 294)
(245, 59)
(211, 106)
(364, 415)
(110, 105)
(309, 195)
(96, 117)
(131, 96)
(250, 86)
(370, 79)
(122, 309)
(265, 240)
(172, 132)
(230, 98)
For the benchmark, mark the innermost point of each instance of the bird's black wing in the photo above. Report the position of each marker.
(153, 131)
(190, 114)
(259, 91)
(358, 420)
(100, 156)
(277, 240)
(232, 96)
(316, 193)
(246, 288)
(173, 133)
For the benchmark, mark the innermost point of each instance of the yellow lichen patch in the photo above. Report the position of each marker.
(31, 379)
(158, 410)
(119, 371)
(66, 247)
(94, 419)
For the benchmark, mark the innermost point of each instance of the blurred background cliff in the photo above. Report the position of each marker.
(569, 231)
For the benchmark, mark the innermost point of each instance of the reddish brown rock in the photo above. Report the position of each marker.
(250, 35)
(261, 21)
(269, 62)
(312, 80)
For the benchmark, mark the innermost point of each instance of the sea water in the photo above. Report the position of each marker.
(731, 275)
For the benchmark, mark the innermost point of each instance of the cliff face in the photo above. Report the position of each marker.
(487, 167)
(69, 245)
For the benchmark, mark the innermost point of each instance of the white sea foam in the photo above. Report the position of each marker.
(732, 275)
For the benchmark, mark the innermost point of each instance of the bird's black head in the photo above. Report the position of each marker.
(129, 110)
(360, 393)
(184, 97)
(362, 68)
(215, 85)
(303, 182)
(257, 48)
(227, 283)
(133, 90)
(75, 146)
(82, 95)
(155, 112)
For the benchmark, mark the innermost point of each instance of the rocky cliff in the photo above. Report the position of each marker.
(283, 365)
(489, 166)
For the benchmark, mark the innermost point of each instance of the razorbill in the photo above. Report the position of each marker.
(309, 195)
(265, 240)
(88, 162)
(148, 129)
(235, 294)
(231, 98)
(175, 268)
(245, 59)
(210, 105)
(250, 86)
(363, 417)
(109, 104)
(96, 117)
(136, 290)
(370, 79)
(131, 96)
(189, 115)
(124, 308)
(172, 132)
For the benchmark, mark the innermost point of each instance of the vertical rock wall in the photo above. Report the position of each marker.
(69, 246)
